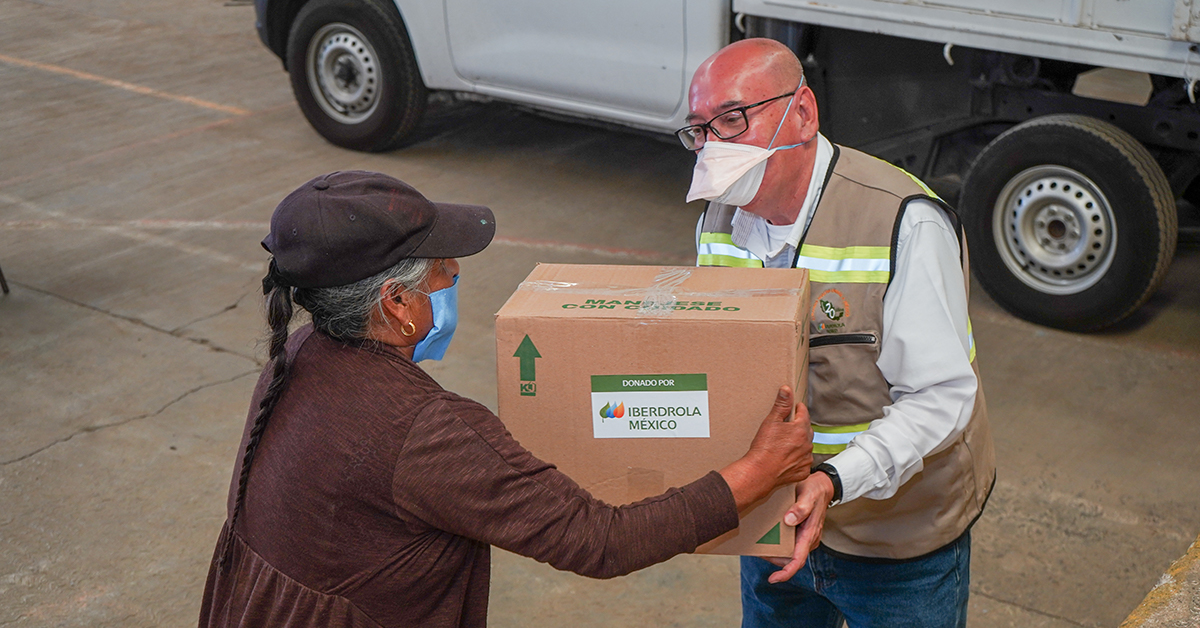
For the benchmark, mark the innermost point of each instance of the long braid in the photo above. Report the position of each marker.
(279, 315)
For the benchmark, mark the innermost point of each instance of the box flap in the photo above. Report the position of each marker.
(658, 292)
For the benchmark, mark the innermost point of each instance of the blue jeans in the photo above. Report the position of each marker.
(929, 592)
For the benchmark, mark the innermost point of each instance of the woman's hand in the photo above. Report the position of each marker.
(781, 453)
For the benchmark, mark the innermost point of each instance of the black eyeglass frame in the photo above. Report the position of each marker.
(707, 126)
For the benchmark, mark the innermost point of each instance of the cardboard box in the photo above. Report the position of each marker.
(634, 379)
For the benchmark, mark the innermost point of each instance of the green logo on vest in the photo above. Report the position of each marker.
(834, 313)
(828, 311)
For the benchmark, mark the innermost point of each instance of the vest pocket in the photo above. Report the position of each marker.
(845, 387)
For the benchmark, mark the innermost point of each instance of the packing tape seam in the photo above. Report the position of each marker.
(659, 298)
(615, 291)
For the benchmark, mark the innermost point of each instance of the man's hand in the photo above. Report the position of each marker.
(812, 499)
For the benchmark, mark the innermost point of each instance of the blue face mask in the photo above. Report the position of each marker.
(445, 319)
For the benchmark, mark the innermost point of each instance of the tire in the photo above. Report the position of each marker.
(354, 73)
(1070, 221)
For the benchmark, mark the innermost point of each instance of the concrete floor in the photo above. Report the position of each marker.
(142, 149)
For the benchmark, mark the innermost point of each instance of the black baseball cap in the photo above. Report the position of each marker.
(343, 227)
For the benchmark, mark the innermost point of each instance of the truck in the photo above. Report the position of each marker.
(1065, 131)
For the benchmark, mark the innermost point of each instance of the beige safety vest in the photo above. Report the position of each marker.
(849, 249)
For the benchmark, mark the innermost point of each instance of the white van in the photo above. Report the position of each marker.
(1065, 130)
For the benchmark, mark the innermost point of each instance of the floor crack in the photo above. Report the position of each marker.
(149, 415)
(178, 331)
(204, 342)
(1029, 609)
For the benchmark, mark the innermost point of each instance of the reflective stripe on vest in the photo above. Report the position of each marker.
(920, 183)
(718, 249)
(971, 339)
(832, 439)
(851, 264)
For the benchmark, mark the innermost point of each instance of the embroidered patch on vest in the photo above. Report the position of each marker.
(830, 312)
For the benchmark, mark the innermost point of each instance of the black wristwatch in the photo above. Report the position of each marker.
(829, 470)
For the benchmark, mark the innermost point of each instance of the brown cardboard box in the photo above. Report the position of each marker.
(634, 379)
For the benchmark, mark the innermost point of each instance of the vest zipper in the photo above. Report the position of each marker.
(842, 339)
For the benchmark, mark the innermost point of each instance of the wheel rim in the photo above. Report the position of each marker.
(1054, 229)
(343, 73)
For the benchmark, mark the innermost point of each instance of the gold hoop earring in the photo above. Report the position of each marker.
(412, 326)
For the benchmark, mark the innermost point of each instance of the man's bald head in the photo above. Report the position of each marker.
(759, 65)
(756, 76)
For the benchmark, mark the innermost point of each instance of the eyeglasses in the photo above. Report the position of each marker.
(725, 126)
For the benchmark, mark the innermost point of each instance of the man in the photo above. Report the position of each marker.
(906, 460)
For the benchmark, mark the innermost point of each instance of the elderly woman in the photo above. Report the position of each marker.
(366, 494)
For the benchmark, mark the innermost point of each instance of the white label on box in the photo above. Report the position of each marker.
(650, 406)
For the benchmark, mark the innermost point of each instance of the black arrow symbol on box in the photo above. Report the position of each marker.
(527, 353)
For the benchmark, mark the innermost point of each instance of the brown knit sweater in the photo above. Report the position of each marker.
(375, 496)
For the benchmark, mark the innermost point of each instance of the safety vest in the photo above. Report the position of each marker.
(849, 251)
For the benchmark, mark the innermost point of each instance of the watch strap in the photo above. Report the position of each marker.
(836, 479)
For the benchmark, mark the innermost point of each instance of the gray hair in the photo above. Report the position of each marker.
(344, 312)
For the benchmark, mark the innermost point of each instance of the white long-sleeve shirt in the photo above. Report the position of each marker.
(925, 344)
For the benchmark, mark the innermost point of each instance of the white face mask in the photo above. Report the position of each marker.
(730, 173)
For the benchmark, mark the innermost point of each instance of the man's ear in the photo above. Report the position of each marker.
(806, 108)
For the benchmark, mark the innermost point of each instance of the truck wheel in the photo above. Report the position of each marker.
(1071, 222)
(354, 74)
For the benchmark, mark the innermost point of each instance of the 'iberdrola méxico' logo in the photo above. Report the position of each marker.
(654, 405)
(610, 411)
